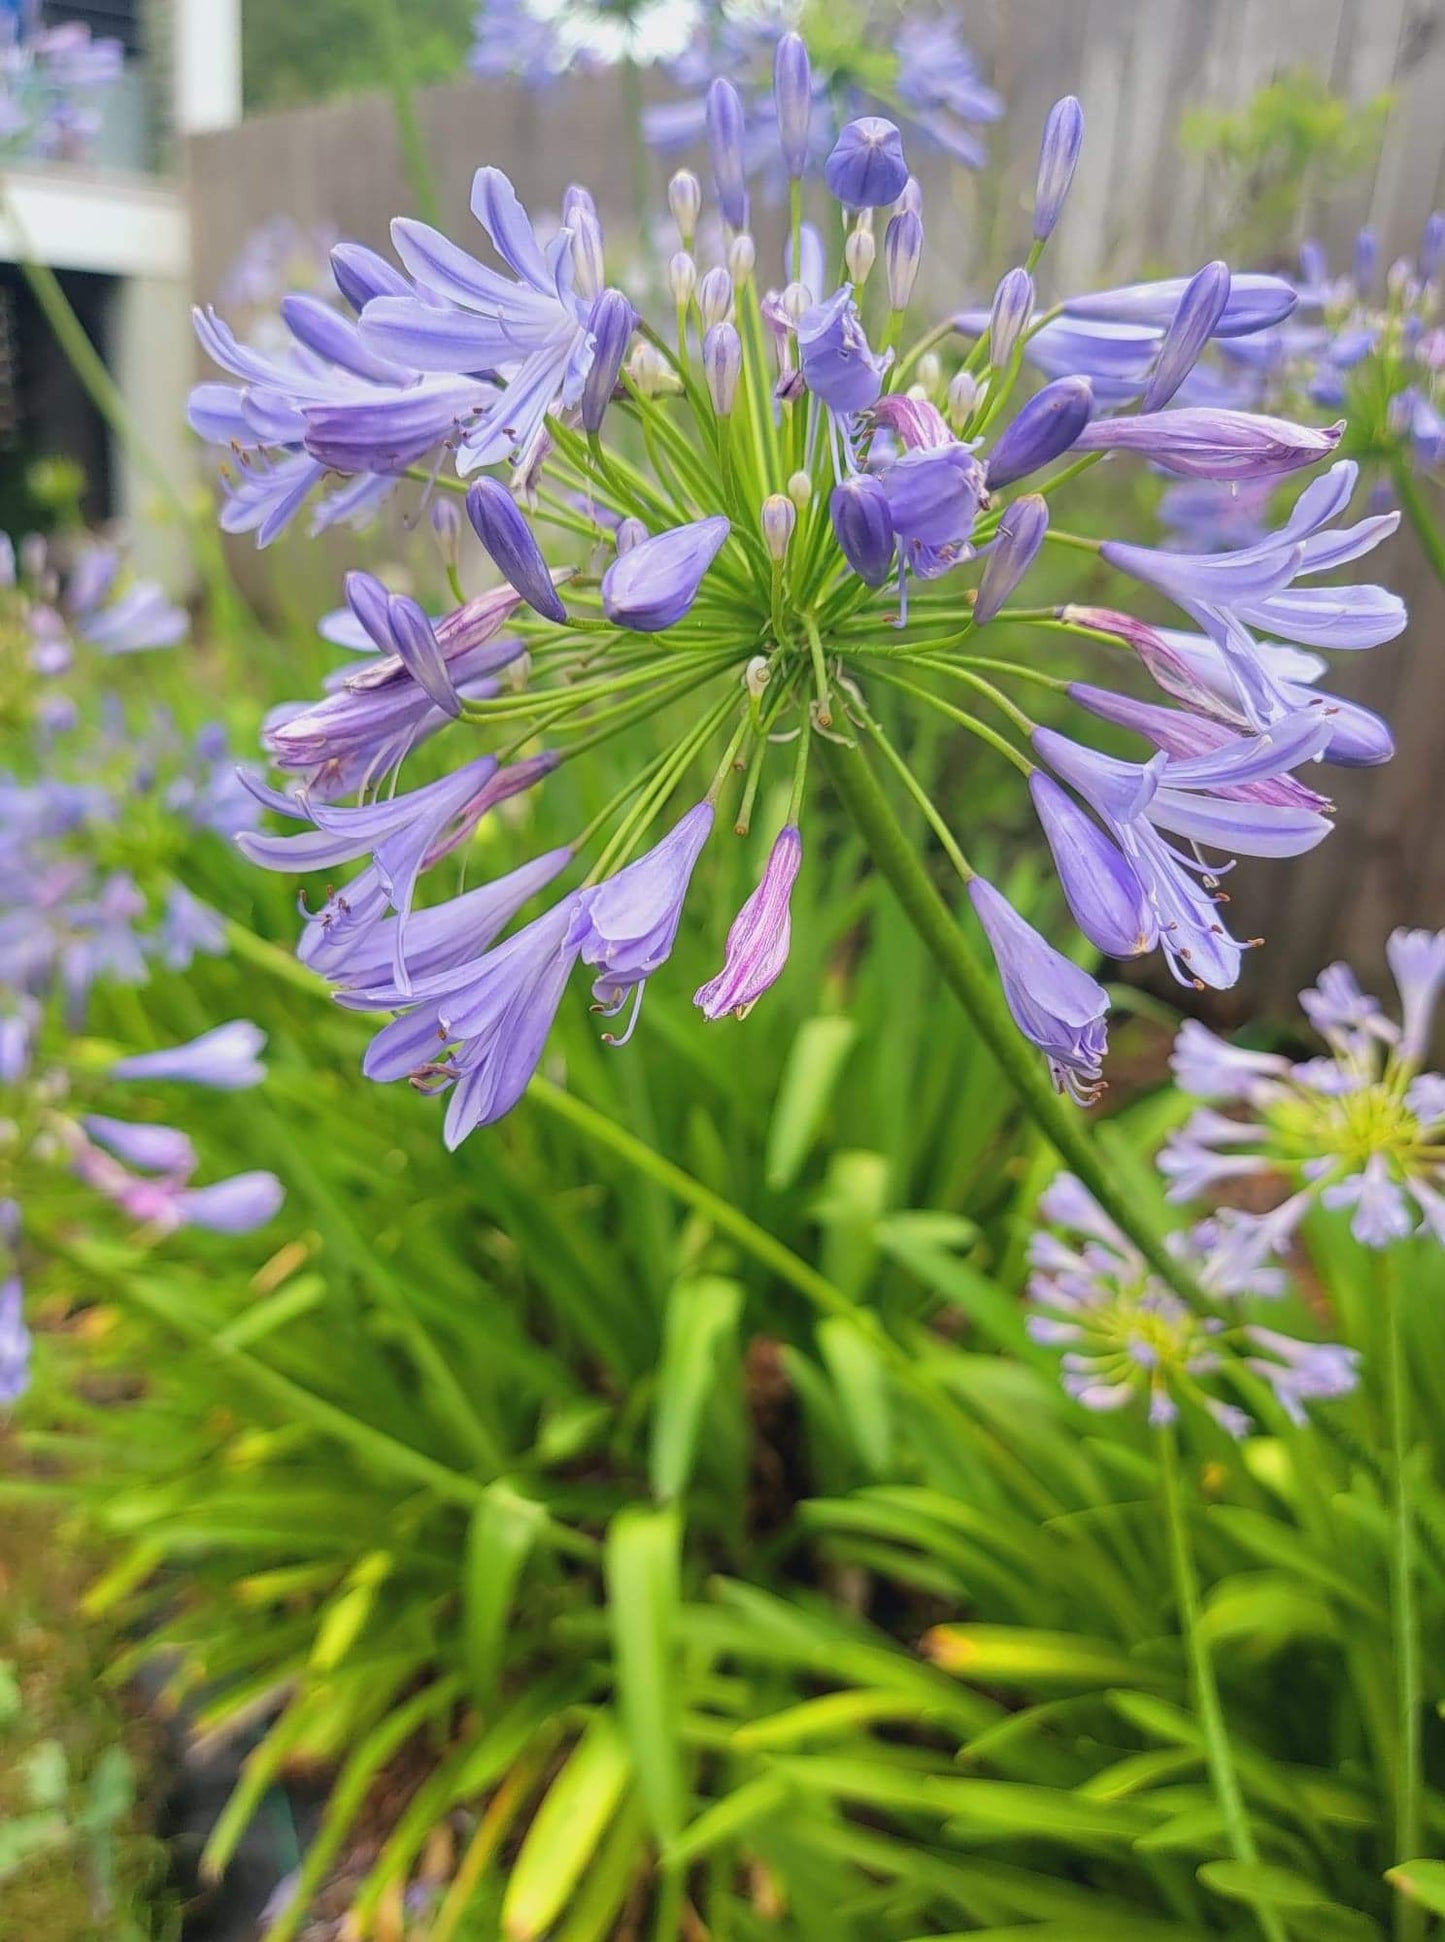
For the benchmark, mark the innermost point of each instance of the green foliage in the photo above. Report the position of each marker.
(293, 54)
(1275, 162)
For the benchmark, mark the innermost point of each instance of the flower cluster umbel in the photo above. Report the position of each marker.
(1363, 1128)
(775, 514)
(53, 82)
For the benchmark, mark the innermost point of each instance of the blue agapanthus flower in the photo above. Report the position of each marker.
(774, 512)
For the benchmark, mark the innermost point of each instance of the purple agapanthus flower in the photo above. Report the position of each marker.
(732, 518)
(761, 933)
(1359, 1130)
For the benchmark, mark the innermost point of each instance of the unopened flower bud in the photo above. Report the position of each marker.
(684, 199)
(902, 254)
(446, 523)
(795, 302)
(1013, 307)
(779, 517)
(587, 261)
(1200, 309)
(910, 203)
(1367, 259)
(611, 322)
(651, 372)
(863, 526)
(962, 397)
(1046, 427)
(1432, 245)
(722, 363)
(793, 100)
(725, 132)
(866, 169)
(682, 278)
(930, 371)
(742, 255)
(631, 532)
(859, 254)
(1058, 158)
(508, 538)
(577, 201)
(715, 298)
(1020, 535)
(800, 489)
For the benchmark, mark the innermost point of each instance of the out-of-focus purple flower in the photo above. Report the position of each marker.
(652, 586)
(833, 351)
(227, 1059)
(1193, 324)
(726, 134)
(1047, 426)
(500, 525)
(1303, 1372)
(154, 1149)
(761, 933)
(867, 169)
(722, 364)
(1058, 158)
(15, 1345)
(940, 85)
(793, 101)
(190, 929)
(863, 525)
(1055, 1004)
(1013, 551)
(1209, 443)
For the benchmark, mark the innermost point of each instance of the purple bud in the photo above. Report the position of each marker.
(1020, 535)
(610, 322)
(1058, 158)
(902, 254)
(779, 517)
(653, 585)
(1192, 326)
(1209, 442)
(757, 947)
(1314, 264)
(725, 131)
(1048, 425)
(1109, 903)
(1432, 244)
(499, 525)
(866, 169)
(715, 297)
(421, 653)
(722, 363)
(1367, 259)
(863, 525)
(1013, 307)
(910, 203)
(225, 1058)
(1054, 1004)
(793, 99)
(631, 532)
(588, 264)
(682, 277)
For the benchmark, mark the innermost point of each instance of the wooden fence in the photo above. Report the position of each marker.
(1137, 202)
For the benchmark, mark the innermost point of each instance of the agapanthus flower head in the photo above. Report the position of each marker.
(1128, 1340)
(1362, 1128)
(730, 513)
(54, 81)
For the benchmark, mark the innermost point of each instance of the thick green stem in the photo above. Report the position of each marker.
(1417, 511)
(1201, 1678)
(978, 992)
(1409, 1916)
(415, 161)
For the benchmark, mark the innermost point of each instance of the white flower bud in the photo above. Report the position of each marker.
(779, 517)
(962, 397)
(930, 372)
(800, 489)
(859, 253)
(756, 675)
(742, 255)
(684, 199)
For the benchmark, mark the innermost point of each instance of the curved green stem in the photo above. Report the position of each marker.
(1201, 1677)
(1404, 1619)
(1417, 511)
(978, 992)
